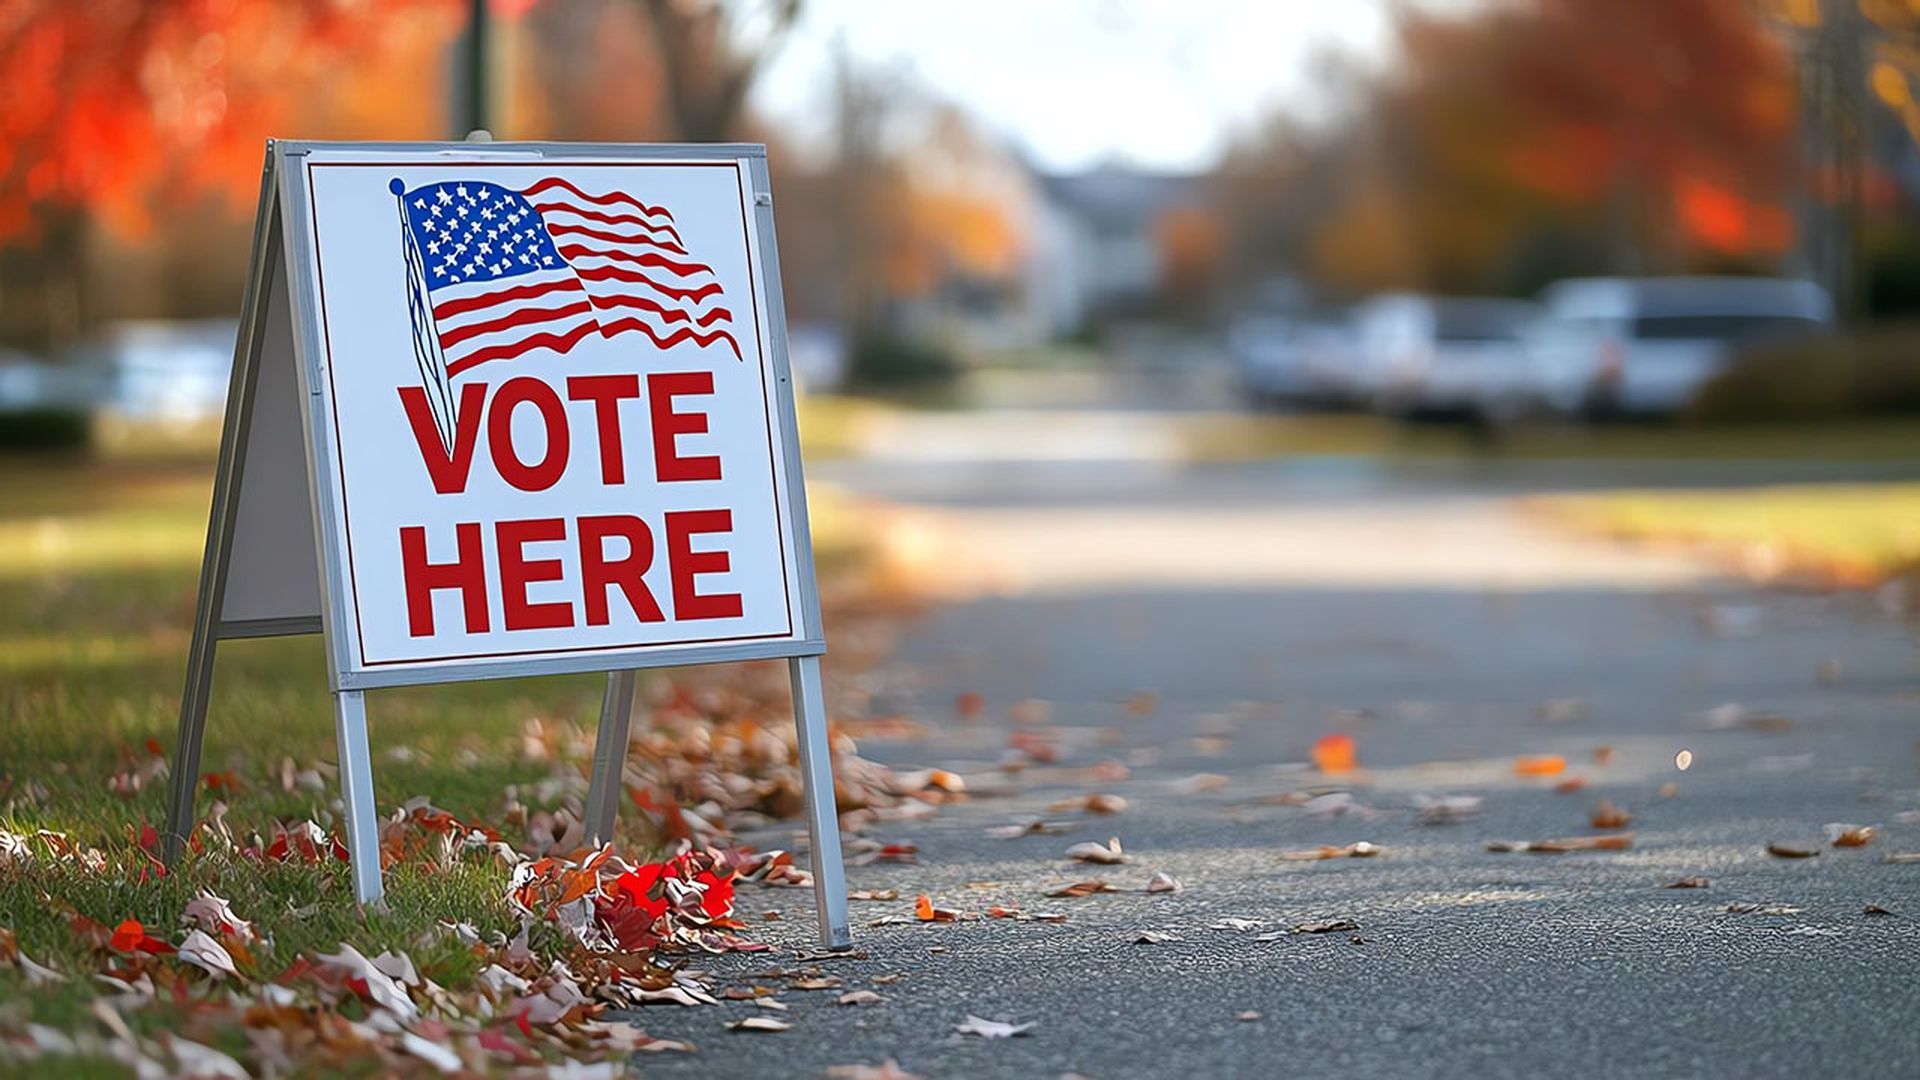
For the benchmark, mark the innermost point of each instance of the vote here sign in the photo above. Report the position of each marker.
(553, 416)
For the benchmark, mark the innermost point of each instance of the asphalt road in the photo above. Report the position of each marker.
(1267, 606)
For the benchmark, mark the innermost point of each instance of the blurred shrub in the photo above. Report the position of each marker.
(44, 429)
(1875, 370)
(885, 360)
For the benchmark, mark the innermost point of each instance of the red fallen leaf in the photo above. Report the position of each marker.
(924, 910)
(1570, 785)
(130, 935)
(496, 1041)
(149, 839)
(1335, 754)
(153, 747)
(629, 924)
(969, 705)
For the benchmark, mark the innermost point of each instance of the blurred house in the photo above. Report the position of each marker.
(1098, 248)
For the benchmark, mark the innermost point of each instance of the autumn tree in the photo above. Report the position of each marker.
(120, 112)
(709, 52)
(1521, 141)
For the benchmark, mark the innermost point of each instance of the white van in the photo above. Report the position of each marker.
(1446, 355)
(1644, 346)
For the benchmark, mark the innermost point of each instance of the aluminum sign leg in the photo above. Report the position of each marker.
(823, 816)
(186, 745)
(610, 757)
(356, 790)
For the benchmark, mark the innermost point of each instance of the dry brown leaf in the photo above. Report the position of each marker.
(1081, 889)
(1603, 755)
(1746, 908)
(1036, 827)
(1360, 849)
(1875, 909)
(1609, 816)
(759, 1023)
(1610, 842)
(1790, 851)
(1687, 883)
(874, 894)
(1842, 835)
(860, 997)
(1570, 785)
(1331, 927)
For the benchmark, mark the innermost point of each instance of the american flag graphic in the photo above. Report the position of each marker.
(494, 273)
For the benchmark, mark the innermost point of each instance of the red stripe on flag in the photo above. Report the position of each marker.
(615, 199)
(450, 308)
(556, 342)
(675, 338)
(616, 273)
(644, 258)
(608, 219)
(520, 317)
(615, 238)
(645, 303)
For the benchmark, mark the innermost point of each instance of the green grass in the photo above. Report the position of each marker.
(99, 560)
(1853, 532)
(1241, 437)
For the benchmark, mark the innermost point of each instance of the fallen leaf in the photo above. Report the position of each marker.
(1570, 785)
(1162, 881)
(1610, 842)
(924, 911)
(1841, 835)
(1609, 816)
(1248, 1017)
(1539, 765)
(969, 705)
(1901, 857)
(1107, 854)
(1603, 755)
(1335, 926)
(1081, 889)
(207, 954)
(1360, 849)
(1237, 925)
(1199, 783)
(860, 997)
(1335, 754)
(1687, 883)
(1789, 851)
(759, 1023)
(991, 1029)
(1153, 937)
(1747, 908)
(1446, 809)
(1036, 827)
(1875, 909)
(874, 894)
(215, 915)
(886, 1070)
(1032, 712)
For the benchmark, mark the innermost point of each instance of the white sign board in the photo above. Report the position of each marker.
(551, 411)
(514, 409)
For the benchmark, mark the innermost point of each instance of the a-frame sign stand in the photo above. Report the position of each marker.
(271, 569)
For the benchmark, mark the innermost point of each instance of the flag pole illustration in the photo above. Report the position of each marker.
(495, 273)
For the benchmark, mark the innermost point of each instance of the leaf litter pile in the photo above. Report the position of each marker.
(505, 947)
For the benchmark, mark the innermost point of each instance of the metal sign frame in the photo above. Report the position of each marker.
(280, 271)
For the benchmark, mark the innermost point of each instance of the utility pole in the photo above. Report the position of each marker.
(473, 89)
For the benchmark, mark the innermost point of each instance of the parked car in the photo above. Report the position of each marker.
(171, 372)
(1645, 346)
(1447, 356)
(1290, 360)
